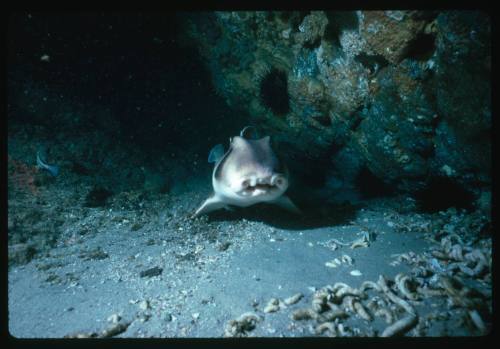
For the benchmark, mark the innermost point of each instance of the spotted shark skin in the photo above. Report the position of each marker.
(249, 172)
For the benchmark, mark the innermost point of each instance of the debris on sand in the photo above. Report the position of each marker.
(151, 272)
(293, 299)
(242, 325)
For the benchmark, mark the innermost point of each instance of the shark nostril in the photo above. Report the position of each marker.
(274, 92)
(276, 180)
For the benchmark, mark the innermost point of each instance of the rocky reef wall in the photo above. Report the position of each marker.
(394, 99)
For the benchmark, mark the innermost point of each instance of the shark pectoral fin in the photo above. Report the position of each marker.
(211, 204)
(216, 153)
(285, 202)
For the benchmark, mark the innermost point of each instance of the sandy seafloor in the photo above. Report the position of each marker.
(211, 270)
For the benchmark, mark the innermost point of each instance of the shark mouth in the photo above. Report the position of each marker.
(265, 187)
(258, 186)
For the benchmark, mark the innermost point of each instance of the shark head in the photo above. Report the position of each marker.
(248, 173)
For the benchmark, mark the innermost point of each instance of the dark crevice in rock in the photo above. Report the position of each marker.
(356, 122)
(370, 186)
(296, 19)
(323, 120)
(422, 47)
(314, 176)
(426, 152)
(372, 62)
(442, 193)
(338, 21)
(286, 15)
(313, 172)
(424, 15)
(313, 45)
(253, 25)
(274, 92)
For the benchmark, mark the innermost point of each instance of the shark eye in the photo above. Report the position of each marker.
(279, 181)
(245, 183)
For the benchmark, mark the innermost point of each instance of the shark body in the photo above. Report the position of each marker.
(249, 172)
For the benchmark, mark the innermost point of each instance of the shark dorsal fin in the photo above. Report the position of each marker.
(249, 132)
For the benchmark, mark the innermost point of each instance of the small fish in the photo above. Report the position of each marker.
(52, 169)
